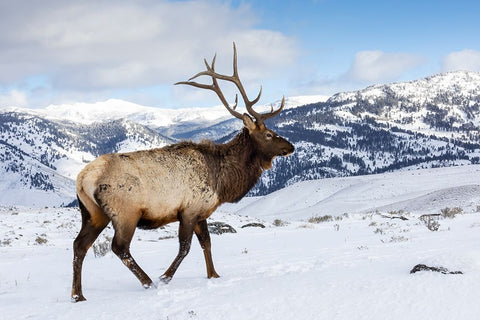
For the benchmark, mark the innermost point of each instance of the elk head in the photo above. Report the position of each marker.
(267, 142)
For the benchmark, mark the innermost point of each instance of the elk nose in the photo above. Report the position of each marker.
(289, 150)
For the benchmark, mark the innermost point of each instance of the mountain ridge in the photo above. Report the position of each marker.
(425, 123)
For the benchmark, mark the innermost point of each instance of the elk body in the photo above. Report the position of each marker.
(183, 182)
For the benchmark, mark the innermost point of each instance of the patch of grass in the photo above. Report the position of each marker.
(280, 223)
(398, 239)
(41, 239)
(5, 242)
(317, 219)
(167, 237)
(305, 226)
(450, 212)
(396, 212)
(431, 221)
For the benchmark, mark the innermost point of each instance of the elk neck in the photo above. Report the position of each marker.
(234, 167)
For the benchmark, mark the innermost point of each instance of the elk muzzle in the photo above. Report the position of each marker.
(288, 151)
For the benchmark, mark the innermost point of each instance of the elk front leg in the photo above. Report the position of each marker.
(201, 231)
(185, 233)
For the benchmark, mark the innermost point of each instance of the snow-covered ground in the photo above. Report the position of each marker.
(304, 265)
(420, 191)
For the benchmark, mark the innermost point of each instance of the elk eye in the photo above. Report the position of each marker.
(269, 135)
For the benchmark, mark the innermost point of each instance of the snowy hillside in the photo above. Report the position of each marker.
(425, 191)
(40, 158)
(333, 249)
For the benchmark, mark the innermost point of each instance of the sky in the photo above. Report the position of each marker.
(61, 52)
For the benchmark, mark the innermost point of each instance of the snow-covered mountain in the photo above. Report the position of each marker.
(426, 123)
(447, 101)
(40, 158)
(114, 109)
(431, 122)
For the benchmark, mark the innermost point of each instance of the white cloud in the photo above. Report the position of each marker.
(378, 66)
(98, 45)
(14, 98)
(465, 60)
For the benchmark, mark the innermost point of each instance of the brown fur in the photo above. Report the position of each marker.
(234, 168)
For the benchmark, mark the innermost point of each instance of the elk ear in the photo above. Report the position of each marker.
(249, 123)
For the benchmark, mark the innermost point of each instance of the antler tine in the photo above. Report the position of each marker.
(236, 79)
(272, 113)
(214, 86)
(235, 70)
(259, 117)
(209, 72)
(258, 96)
(219, 93)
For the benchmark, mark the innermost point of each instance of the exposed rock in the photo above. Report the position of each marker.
(422, 267)
(254, 224)
(220, 227)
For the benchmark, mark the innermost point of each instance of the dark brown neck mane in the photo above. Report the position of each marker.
(234, 167)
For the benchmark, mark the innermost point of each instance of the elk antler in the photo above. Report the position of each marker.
(259, 117)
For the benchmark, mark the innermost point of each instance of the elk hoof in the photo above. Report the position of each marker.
(149, 285)
(215, 275)
(78, 298)
(165, 279)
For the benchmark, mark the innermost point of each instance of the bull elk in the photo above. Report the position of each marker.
(182, 182)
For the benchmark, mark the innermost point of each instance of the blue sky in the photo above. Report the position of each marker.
(54, 52)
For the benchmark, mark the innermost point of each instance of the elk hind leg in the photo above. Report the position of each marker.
(203, 236)
(121, 247)
(92, 225)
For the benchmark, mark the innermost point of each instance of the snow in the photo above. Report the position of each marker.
(403, 190)
(354, 266)
(14, 191)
